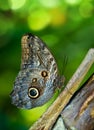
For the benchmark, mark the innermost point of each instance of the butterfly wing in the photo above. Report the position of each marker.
(38, 77)
(35, 53)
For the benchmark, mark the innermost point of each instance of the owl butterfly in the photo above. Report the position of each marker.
(38, 78)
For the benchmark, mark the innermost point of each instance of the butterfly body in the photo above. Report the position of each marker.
(38, 77)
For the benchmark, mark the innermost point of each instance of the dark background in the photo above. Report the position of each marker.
(67, 27)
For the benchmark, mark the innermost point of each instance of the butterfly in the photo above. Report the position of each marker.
(38, 77)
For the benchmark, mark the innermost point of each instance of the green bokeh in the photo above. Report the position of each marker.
(66, 26)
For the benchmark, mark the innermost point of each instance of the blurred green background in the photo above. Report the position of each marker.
(67, 27)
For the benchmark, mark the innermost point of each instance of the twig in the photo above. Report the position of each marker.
(49, 117)
(80, 110)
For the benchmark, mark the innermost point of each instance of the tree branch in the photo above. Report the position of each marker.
(81, 108)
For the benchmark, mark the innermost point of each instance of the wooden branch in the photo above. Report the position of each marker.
(49, 117)
(79, 114)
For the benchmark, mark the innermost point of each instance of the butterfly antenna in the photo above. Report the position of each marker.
(65, 61)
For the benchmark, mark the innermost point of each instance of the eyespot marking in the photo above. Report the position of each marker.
(33, 92)
(44, 73)
(34, 80)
